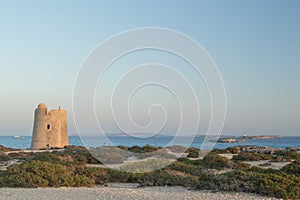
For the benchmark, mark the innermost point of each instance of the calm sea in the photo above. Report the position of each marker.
(92, 141)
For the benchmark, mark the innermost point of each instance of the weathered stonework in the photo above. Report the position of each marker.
(50, 128)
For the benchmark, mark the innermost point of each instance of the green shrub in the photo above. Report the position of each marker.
(190, 162)
(291, 155)
(4, 157)
(5, 149)
(260, 181)
(125, 148)
(237, 164)
(292, 168)
(193, 152)
(220, 151)
(280, 159)
(195, 170)
(47, 157)
(19, 155)
(99, 175)
(145, 149)
(37, 173)
(168, 178)
(244, 156)
(75, 148)
(214, 161)
(233, 150)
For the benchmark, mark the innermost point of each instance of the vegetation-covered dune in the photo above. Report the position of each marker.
(75, 166)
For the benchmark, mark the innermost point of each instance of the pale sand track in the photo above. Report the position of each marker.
(118, 193)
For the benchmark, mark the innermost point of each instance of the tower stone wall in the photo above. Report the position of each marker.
(50, 128)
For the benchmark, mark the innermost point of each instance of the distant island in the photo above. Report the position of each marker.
(261, 136)
(244, 137)
(230, 140)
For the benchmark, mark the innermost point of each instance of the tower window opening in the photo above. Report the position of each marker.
(48, 126)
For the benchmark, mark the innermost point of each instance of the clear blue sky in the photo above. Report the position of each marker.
(255, 44)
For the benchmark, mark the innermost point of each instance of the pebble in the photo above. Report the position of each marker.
(119, 193)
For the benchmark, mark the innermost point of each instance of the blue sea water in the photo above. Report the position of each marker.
(94, 141)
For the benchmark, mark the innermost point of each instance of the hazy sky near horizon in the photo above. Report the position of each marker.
(255, 44)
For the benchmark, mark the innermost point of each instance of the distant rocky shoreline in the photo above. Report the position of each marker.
(242, 139)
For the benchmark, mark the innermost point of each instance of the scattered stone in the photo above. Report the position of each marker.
(118, 193)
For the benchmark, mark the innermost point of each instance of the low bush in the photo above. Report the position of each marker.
(233, 150)
(220, 151)
(4, 157)
(193, 152)
(169, 178)
(214, 161)
(292, 168)
(5, 149)
(291, 155)
(20, 155)
(37, 173)
(195, 170)
(145, 149)
(280, 159)
(75, 148)
(260, 181)
(240, 165)
(190, 162)
(244, 156)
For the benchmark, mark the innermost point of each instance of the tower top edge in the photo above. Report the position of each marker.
(42, 105)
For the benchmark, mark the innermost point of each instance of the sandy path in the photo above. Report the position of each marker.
(273, 165)
(32, 151)
(106, 193)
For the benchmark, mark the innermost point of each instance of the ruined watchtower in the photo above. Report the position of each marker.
(50, 128)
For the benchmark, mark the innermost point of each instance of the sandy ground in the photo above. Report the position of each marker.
(273, 165)
(228, 155)
(32, 151)
(118, 193)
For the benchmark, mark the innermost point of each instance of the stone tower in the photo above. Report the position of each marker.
(50, 128)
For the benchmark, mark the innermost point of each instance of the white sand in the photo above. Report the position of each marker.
(273, 165)
(119, 194)
(228, 155)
